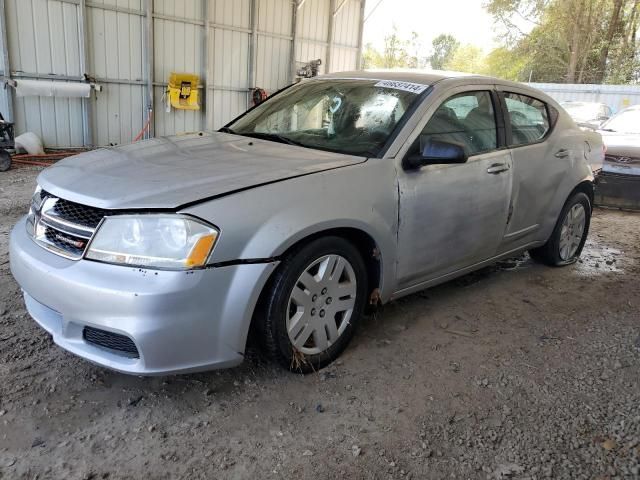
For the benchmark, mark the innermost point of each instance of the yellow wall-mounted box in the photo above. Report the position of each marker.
(183, 91)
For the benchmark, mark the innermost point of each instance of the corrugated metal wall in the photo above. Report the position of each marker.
(345, 38)
(178, 46)
(44, 40)
(6, 106)
(313, 31)
(114, 41)
(233, 45)
(229, 53)
(615, 96)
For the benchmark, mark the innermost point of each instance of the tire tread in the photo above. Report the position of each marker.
(267, 312)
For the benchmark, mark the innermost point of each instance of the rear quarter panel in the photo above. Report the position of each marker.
(581, 145)
(594, 151)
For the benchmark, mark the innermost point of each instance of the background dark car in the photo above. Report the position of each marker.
(619, 183)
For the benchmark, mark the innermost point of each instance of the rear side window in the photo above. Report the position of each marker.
(529, 118)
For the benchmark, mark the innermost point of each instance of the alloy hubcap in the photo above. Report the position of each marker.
(321, 304)
(572, 231)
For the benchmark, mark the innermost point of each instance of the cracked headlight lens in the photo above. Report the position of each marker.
(155, 241)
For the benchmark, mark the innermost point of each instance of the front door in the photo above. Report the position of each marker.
(453, 216)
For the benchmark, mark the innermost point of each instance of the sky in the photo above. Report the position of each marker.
(464, 19)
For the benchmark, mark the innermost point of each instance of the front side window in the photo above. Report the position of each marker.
(467, 119)
(528, 117)
(347, 116)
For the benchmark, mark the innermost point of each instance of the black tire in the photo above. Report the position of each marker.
(549, 253)
(271, 315)
(5, 160)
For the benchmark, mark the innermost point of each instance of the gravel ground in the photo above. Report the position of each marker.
(517, 371)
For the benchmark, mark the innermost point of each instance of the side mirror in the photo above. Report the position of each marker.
(435, 152)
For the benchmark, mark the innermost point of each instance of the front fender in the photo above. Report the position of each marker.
(264, 222)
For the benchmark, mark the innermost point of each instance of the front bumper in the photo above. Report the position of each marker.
(179, 321)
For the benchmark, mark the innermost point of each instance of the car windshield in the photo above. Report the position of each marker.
(625, 122)
(582, 111)
(354, 117)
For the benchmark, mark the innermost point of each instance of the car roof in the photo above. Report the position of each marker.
(431, 77)
(632, 108)
(425, 77)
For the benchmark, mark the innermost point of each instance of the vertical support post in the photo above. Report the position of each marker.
(148, 53)
(253, 48)
(332, 21)
(294, 34)
(6, 64)
(87, 130)
(253, 43)
(360, 36)
(204, 69)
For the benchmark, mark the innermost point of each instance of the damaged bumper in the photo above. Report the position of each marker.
(137, 321)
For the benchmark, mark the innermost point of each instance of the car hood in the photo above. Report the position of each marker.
(169, 172)
(623, 152)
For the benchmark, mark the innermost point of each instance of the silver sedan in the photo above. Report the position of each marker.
(340, 191)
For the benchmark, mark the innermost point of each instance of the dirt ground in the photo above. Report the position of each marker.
(516, 371)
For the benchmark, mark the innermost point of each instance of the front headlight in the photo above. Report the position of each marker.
(161, 241)
(36, 198)
(34, 207)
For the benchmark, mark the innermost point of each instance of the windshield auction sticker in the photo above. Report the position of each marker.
(416, 88)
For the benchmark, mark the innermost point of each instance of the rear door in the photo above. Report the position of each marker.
(540, 161)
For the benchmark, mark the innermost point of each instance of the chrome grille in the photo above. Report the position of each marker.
(624, 159)
(63, 227)
(63, 242)
(78, 214)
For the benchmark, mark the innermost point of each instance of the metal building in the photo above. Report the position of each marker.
(233, 45)
(617, 97)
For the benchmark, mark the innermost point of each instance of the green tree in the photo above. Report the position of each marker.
(576, 41)
(444, 46)
(416, 59)
(397, 52)
(467, 58)
(371, 58)
(508, 64)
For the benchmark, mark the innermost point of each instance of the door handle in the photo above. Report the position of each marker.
(563, 153)
(497, 168)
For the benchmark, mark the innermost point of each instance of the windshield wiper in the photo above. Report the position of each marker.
(275, 137)
(607, 129)
(227, 130)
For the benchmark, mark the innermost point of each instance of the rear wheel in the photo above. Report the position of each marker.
(313, 304)
(569, 235)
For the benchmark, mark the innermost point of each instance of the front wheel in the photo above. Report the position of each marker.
(313, 304)
(569, 235)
